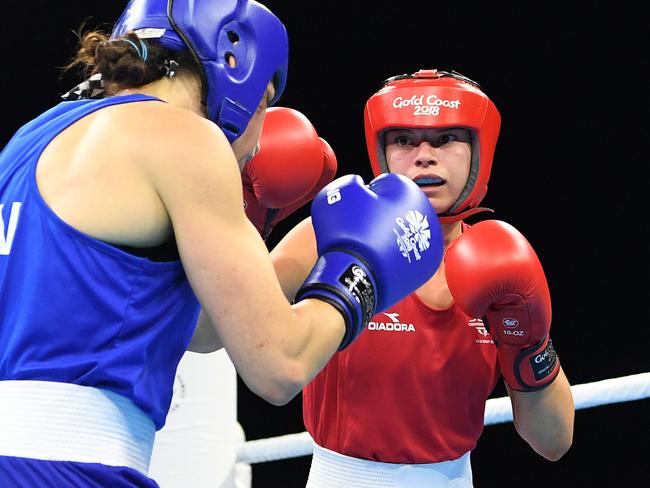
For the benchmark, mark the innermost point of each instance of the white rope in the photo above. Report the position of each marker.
(275, 448)
(497, 410)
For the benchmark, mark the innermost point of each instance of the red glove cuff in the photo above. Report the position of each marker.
(529, 369)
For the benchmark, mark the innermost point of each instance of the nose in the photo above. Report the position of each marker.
(426, 155)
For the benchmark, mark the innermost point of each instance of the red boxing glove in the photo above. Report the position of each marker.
(493, 272)
(292, 166)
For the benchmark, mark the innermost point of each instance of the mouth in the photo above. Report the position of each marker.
(424, 181)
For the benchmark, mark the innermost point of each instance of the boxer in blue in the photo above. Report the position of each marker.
(124, 242)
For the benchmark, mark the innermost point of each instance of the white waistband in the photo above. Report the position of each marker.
(65, 422)
(330, 469)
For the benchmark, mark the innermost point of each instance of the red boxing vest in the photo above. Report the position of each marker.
(411, 389)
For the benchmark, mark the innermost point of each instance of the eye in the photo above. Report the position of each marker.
(402, 141)
(446, 138)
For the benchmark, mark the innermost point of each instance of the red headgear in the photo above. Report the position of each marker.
(437, 99)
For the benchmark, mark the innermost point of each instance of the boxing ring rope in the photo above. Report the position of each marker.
(497, 410)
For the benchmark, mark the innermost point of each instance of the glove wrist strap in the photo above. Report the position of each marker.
(529, 369)
(343, 280)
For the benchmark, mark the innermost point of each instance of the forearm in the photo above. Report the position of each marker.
(289, 365)
(285, 366)
(294, 257)
(291, 273)
(324, 329)
(544, 418)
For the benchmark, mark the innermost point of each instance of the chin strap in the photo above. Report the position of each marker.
(446, 219)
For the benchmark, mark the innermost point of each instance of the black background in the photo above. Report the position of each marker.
(570, 172)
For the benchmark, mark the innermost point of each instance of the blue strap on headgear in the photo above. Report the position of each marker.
(214, 30)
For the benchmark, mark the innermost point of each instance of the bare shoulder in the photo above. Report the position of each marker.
(180, 151)
(168, 135)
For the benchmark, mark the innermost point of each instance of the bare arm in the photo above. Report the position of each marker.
(276, 347)
(544, 418)
(294, 256)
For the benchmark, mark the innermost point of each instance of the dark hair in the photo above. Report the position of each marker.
(122, 66)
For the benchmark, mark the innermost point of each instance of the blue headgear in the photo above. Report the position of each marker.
(213, 31)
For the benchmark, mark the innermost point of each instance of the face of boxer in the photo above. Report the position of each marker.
(438, 160)
(247, 145)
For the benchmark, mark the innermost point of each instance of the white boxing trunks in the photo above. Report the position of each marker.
(330, 469)
(65, 422)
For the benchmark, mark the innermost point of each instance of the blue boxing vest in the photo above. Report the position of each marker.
(74, 309)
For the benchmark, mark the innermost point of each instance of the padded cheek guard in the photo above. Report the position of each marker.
(214, 32)
(436, 99)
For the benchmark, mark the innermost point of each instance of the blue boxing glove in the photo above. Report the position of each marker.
(376, 244)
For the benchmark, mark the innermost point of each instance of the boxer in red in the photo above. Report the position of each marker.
(404, 405)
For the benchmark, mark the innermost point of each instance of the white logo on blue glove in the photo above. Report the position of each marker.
(415, 234)
(333, 196)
